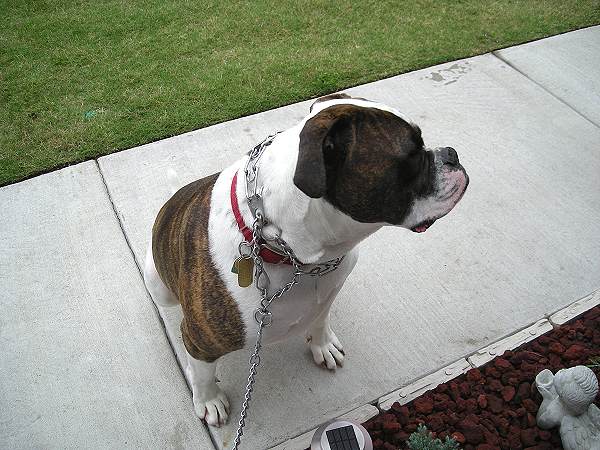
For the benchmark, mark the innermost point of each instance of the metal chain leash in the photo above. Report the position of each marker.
(263, 315)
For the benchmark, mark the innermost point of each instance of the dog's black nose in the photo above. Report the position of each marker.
(449, 156)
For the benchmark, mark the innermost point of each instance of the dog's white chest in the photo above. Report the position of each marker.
(295, 310)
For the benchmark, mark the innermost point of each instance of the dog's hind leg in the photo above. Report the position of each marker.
(210, 403)
(161, 294)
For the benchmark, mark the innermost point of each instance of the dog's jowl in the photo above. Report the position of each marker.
(347, 169)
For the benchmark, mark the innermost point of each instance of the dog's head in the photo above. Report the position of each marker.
(371, 164)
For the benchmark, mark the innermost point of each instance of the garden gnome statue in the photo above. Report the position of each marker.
(567, 403)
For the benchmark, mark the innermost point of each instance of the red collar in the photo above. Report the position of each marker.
(266, 254)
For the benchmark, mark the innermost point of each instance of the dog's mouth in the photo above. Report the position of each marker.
(422, 227)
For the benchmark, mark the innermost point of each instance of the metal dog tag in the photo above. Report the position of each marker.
(244, 268)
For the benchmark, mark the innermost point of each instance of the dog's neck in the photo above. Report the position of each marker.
(313, 228)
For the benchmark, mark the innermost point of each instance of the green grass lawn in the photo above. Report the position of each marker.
(80, 79)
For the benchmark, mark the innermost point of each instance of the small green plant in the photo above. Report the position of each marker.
(422, 439)
(594, 362)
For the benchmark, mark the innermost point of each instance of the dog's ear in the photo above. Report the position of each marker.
(319, 148)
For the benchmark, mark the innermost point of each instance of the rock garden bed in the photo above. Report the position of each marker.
(494, 406)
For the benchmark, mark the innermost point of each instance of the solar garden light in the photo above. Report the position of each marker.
(341, 435)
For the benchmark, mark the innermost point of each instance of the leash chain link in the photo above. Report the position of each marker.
(263, 315)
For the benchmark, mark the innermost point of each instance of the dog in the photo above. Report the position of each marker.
(348, 168)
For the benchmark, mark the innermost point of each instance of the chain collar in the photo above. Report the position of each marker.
(255, 203)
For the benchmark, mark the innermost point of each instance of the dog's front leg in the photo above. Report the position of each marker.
(324, 344)
(210, 403)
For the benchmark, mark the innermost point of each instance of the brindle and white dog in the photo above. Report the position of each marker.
(347, 169)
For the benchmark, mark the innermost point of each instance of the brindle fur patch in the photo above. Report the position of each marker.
(212, 324)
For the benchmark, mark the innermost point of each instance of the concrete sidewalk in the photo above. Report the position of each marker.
(85, 362)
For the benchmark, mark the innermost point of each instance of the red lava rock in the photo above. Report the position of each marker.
(575, 351)
(391, 427)
(492, 438)
(388, 446)
(513, 381)
(524, 390)
(532, 356)
(537, 347)
(465, 389)
(489, 425)
(452, 418)
(502, 424)
(471, 405)
(542, 446)
(474, 375)
(473, 418)
(508, 393)
(593, 314)
(454, 392)
(495, 385)
(401, 436)
(554, 360)
(545, 435)
(397, 407)
(514, 441)
(472, 432)
(482, 401)
(423, 405)
(544, 340)
(556, 347)
(529, 437)
(388, 418)
(402, 413)
(486, 447)
(502, 363)
(435, 423)
(565, 341)
(458, 437)
(495, 404)
(492, 372)
(530, 405)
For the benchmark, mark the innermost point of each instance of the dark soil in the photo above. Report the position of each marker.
(494, 406)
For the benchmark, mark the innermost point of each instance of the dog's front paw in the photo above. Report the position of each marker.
(326, 348)
(214, 410)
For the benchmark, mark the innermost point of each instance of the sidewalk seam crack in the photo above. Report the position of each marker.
(149, 297)
(564, 102)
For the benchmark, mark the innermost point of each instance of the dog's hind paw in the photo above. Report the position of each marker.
(326, 349)
(214, 411)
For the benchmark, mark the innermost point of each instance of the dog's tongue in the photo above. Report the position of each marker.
(421, 228)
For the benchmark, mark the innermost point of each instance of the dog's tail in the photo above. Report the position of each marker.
(172, 181)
